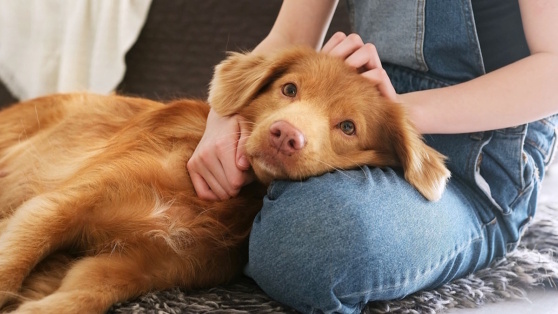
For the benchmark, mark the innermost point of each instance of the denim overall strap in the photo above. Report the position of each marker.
(436, 38)
(398, 37)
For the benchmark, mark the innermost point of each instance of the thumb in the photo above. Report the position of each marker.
(241, 160)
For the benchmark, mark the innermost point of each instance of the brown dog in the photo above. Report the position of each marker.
(96, 205)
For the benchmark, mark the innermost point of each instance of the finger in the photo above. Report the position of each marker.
(365, 58)
(347, 47)
(236, 179)
(242, 162)
(207, 165)
(236, 170)
(214, 178)
(217, 188)
(335, 40)
(380, 78)
(241, 159)
(224, 173)
(202, 189)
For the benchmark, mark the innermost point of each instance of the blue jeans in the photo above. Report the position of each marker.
(335, 242)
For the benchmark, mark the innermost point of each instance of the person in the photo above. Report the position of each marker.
(479, 81)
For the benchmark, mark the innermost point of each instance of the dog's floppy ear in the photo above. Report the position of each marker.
(423, 166)
(239, 78)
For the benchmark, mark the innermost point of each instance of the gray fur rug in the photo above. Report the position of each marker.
(534, 265)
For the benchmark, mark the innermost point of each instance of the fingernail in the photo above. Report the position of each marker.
(243, 162)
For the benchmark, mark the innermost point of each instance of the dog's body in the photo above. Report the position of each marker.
(96, 205)
(105, 177)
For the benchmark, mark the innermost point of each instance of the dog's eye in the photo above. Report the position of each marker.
(348, 127)
(289, 90)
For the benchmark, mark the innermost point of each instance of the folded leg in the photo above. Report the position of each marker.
(37, 228)
(94, 283)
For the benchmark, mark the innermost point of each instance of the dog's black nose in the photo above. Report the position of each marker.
(285, 137)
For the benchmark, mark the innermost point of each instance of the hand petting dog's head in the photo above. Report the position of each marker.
(310, 113)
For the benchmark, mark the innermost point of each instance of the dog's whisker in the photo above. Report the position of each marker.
(233, 146)
(343, 171)
(248, 122)
(113, 249)
(37, 116)
(361, 167)
(225, 136)
(337, 169)
(363, 170)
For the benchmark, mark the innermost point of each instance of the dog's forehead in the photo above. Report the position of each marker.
(330, 82)
(321, 71)
(322, 64)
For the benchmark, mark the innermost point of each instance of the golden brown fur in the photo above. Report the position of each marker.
(96, 205)
(328, 93)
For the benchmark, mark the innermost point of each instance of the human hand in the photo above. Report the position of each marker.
(363, 57)
(218, 167)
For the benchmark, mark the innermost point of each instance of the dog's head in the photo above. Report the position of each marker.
(310, 113)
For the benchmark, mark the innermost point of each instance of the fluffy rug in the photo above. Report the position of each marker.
(534, 265)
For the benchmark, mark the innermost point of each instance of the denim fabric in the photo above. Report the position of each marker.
(451, 46)
(398, 37)
(335, 242)
(437, 36)
(506, 165)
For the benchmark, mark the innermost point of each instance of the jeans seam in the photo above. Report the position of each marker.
(337, 309)
(448, 257)
(472, 36)
(419, 38)
(527, 186)
(544, 152)
(395, 71)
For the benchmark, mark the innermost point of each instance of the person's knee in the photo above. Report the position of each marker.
(316, 245)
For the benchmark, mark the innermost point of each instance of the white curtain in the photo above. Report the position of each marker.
(49, 46)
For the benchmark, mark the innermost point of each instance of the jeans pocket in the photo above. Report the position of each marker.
(523, 206)
(505, 171)
(541, 140)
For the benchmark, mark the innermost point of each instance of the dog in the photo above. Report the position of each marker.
(97, 206)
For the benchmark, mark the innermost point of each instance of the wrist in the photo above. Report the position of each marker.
(214, 118)
(271, 43)
(415, 112)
